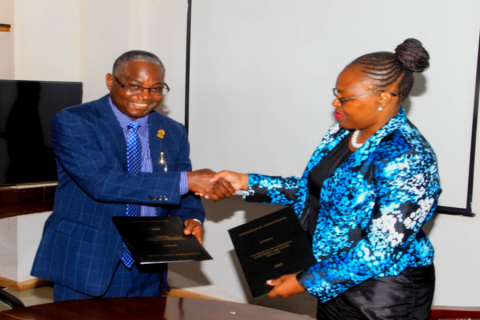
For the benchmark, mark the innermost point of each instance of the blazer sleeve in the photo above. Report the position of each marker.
(191, 207)
(274, 190)
(83, 152)
(408, 189)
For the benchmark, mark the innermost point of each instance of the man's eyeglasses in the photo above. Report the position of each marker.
(133, 89)
(342, 100)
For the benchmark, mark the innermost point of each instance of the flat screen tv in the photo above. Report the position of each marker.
(26, 111)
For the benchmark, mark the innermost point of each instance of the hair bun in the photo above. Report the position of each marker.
(413, 55)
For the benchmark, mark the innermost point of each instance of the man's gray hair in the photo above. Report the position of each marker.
(135, 55)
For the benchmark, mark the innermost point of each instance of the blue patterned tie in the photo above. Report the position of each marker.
(134, 164)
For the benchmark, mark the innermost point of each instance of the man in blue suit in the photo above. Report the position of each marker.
(81, 251)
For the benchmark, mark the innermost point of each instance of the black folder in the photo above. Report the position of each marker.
(271, 246)
(158, 240)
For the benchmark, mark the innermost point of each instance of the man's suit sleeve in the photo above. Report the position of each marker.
(85, 153)
(191, 207)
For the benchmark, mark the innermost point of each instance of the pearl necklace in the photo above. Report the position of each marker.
(354, 140)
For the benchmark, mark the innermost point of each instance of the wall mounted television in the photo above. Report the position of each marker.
(26, 111)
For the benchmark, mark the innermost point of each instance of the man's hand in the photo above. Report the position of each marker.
(199, 182)
(285, 286)
(195, 228)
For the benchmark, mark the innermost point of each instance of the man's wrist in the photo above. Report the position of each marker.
(183, 183)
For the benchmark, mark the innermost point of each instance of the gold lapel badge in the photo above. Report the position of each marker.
(161, 134)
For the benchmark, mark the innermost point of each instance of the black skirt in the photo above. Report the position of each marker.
(406, 296)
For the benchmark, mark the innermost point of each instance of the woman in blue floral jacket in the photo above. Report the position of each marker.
(368, 189)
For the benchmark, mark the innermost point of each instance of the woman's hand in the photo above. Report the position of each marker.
(285, 286)
(239, 181)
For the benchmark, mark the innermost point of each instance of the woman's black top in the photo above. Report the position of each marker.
(318, 175)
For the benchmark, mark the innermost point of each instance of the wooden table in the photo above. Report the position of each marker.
(466, 313)
(168, 308)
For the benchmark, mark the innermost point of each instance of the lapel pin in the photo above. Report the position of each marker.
(163, 162)
(160, 134)
(162, 159)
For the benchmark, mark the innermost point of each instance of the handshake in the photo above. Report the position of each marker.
(216, 186)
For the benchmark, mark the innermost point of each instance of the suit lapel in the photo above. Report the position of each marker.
(372, 143)
(113, 132)
(156, 123)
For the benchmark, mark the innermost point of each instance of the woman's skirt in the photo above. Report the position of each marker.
(406, 296)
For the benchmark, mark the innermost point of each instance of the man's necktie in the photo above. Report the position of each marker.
(134, 164)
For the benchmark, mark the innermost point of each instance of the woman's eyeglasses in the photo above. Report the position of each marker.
(342, 100)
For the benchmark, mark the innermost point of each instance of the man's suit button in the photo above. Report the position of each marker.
(165, 198)
(151, 198)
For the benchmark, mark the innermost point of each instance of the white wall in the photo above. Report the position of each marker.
(46, 40)
(457, 254)
(28, 227)
(165, 34)
(6, 40)
(8, 248)
(19, 240)
(104, 36)
(79, 40)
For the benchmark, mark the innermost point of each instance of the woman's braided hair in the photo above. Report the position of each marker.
(387, 67)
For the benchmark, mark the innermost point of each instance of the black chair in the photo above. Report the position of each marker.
(10, 300)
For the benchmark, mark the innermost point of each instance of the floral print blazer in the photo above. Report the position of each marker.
(372, 207)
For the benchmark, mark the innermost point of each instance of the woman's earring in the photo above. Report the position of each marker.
(380, 108)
